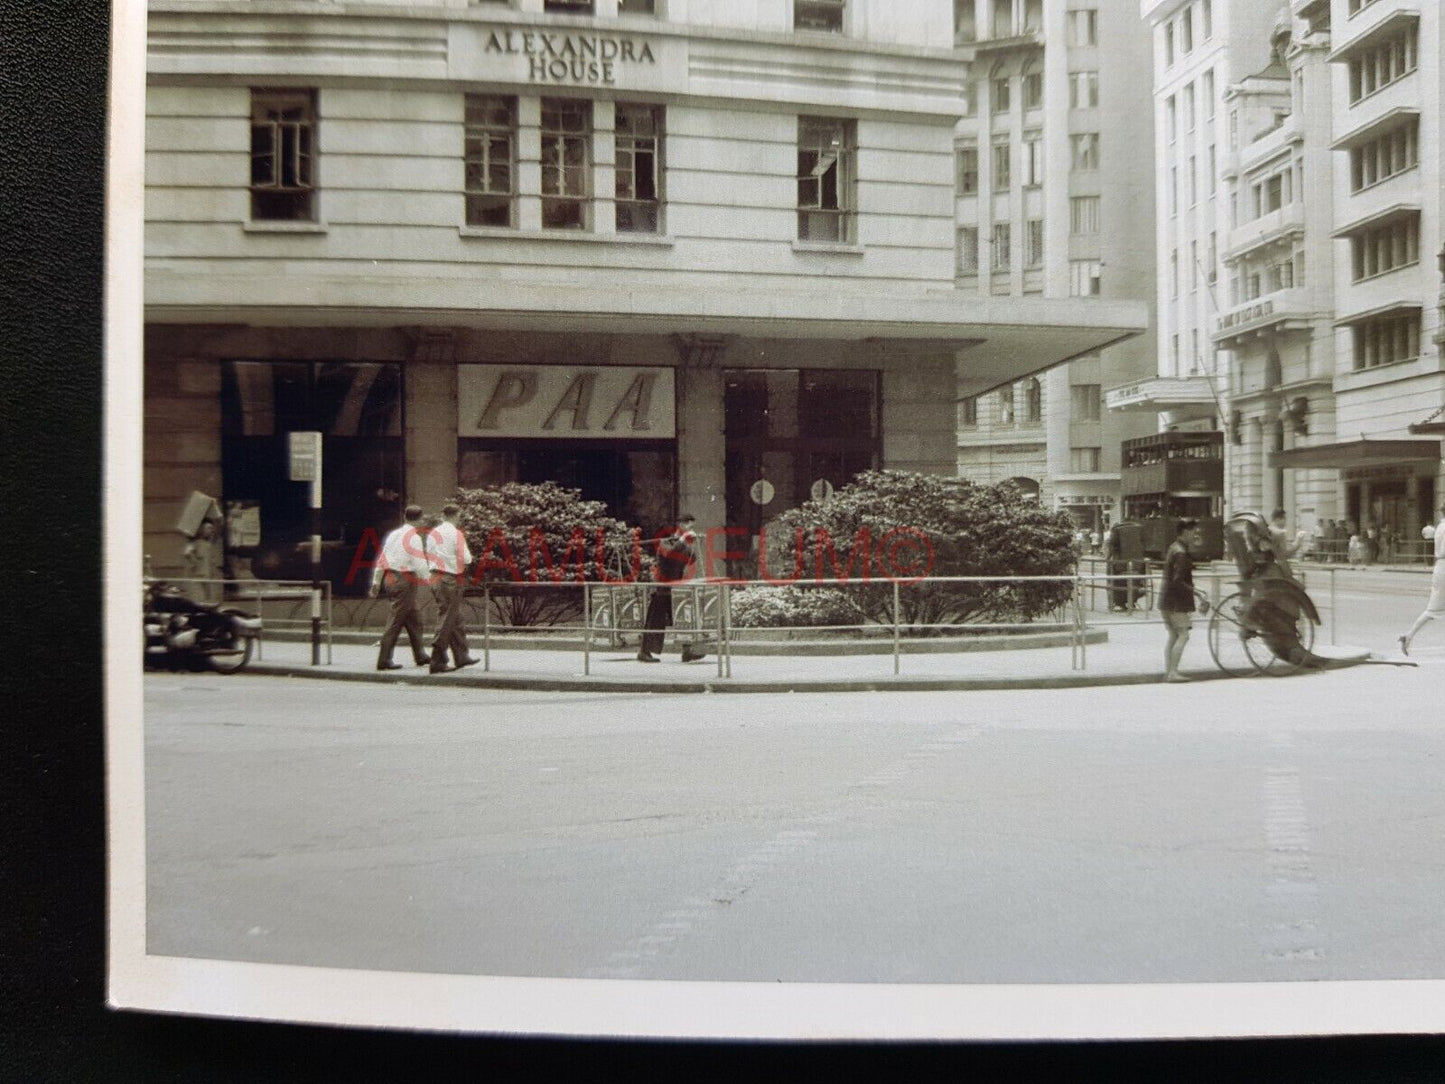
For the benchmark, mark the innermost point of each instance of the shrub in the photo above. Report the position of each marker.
(543, 532)
(962, 528)
(793, 607)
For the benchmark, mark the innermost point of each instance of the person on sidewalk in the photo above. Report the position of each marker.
(1435, 608)
(399, 572)
(1281, 543)
(1176, 594)
(676, 556)
(448, 556)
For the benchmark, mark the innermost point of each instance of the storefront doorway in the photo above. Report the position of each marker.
(357, 407)
(795, 433)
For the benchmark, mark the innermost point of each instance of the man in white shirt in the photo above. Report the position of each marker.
(401, 569)
(1435, 608)
(448, 556)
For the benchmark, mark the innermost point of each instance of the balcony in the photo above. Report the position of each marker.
(1282, 310)
(1268, 229)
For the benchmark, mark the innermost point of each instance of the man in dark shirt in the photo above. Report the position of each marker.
(676, 556)
(1176, 594)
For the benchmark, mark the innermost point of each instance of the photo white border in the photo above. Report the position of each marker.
(582, 1007)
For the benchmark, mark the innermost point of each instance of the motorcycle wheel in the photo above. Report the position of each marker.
(230, 662)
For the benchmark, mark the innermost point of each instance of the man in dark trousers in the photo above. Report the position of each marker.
(448, 556)
(401, 569)
(676, 555)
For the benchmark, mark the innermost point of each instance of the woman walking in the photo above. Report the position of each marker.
(1435, 608)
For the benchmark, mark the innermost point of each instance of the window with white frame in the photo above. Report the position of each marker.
(1033, 400)
(1210, 274)
(1083, 90)
(1083, 27)
(1211, 170)
(1384, 340)
(1168, 32)
(1034, 243)
(1193, 265)
(1084, 215)
(1084, 460)
(283, 155)
(1378, 250)
(1271, 193)
(965, 22)
(1002, 246)
(966, 162)
(1033, 150)
(1389, 61)
(1206, 92)
(1033, 89)
(1085, 278)
(1189, 107)
(1186, 31)
(1001, 94)
(827, 183)
(967, 251)
(1006, 406)
(824, 15)
(1173, 190)
(566, 163)
(1174, 273)
(1387, 155)
(1171, 116)
(1085, 402)
(491, 160)
(639, 168)
(1002, 167)
(1193, 182)
(1085, 150)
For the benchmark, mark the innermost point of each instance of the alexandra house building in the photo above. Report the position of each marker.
(683, 255)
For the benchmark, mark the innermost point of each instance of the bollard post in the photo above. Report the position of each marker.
(896, 620)
(1333, 608)
(487, 626)
(587, 629)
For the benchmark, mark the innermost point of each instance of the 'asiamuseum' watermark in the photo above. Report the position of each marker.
(897, 555)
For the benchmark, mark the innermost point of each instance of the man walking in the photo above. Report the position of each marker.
(1435, 608)
(400, 571)
(676, 556)
(448, 556)
(1176, 594)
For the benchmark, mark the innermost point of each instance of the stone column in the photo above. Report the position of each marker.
(182, 450)
(430, 381)
(701, 447)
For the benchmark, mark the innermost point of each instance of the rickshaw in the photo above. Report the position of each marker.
(1268, 625)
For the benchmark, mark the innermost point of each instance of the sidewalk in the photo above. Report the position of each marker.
(1132, 655)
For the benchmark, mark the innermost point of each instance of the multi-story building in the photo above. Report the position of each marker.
(1052, 200)
(1276, 315)
(676, 253)
(1201, 48)
(1389, 378)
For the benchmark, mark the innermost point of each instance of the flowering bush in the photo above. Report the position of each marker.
(793, 607)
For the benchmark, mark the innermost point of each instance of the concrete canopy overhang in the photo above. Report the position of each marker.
(996, 340)
(1358, 453)
(1190, 396)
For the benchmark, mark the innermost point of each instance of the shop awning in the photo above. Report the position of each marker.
(1429, 428)
(1358, 453)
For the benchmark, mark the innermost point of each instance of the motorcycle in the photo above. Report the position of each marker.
(182, 632)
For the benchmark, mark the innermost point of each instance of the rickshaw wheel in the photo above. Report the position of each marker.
(1230, 636)
(1280, 659)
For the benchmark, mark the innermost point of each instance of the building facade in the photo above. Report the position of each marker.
(679, 254)
(1200, 48)
(1388, 93)
(1053, 200)
(1276, 318)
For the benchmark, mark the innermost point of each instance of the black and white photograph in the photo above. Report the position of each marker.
(778, 519)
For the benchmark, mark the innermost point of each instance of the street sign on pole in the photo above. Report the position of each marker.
(305, 448)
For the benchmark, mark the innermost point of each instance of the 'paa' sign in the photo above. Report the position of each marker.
(565, 402)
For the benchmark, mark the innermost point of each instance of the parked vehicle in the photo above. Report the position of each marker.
(180, 632)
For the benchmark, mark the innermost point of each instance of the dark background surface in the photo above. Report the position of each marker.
(53, 1022)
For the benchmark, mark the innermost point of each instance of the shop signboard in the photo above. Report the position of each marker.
(566, 402)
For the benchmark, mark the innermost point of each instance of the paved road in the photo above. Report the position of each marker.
(1232, 831)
